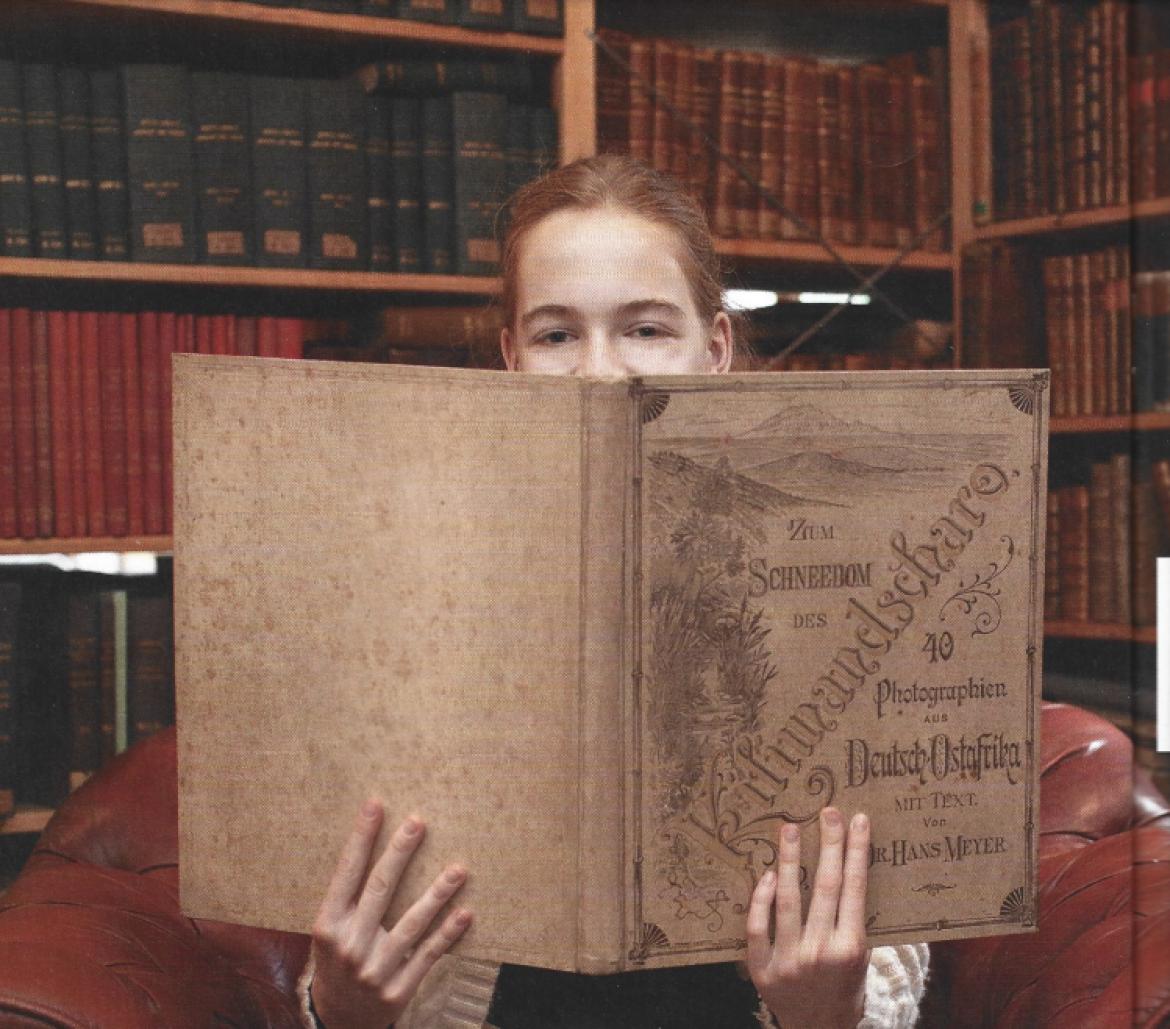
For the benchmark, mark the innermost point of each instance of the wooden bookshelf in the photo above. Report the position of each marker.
(324, 26)
(1074, 221)
(222, 276)
(88, 545)
(26, 819)
(1101, 631)
(1147, 421)
(795, 252)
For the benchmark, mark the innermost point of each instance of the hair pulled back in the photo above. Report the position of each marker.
(612, 180)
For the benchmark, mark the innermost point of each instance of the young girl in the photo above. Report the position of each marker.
(609, 270)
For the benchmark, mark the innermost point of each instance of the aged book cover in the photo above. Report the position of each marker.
(603, 636)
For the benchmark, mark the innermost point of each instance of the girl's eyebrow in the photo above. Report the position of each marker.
(647, 306)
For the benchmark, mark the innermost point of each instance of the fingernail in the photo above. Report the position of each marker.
(455, 875)
(791, 833)
(411, 826)
(371, 808)
(462, 918)
(768, 879)
(860, 822)
(831, 816)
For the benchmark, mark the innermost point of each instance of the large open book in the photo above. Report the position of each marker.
(604, 637)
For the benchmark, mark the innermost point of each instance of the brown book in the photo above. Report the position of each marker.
(1004, 128)
(1143, 120)
(980, 94)
(772, 155)
(132, 411)
(803, 162)
(62, 480)
(664, 128)
(42, 421)
(1160, 477)
(1043, 149)
(682, 95)
(1120, 122)
(1023, 125)
(847, 176)
(1095, 101)
(76, 419)
(1052, 559)
(1102, 577)
(1162, 123)
(1123, 320)
(1056, 331)
(149, 664)
(613, 94)
(929, 198)
(113, 422)
(904, 144)
(641, 106)
(1053, 17)
(1083, 350)
(749, 203)
(879, 203)
(732, 611)
(1148, 538)
(84, 685)
(1074, 553)
(1072, 59)
(1121, 491)
(705, 114)
(1100, 320)
(475, 327)
(723, 217)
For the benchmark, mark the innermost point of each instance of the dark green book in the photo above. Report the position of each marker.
(223, 166)
(439, 11)
(150, 672)
(83, 680)
(544, 17)
(431, 78)
(9, 628)
(159, 163)
(15, 190)
(484, 14)
(338, 215)
(517, 152)
(438, 185)
(279, 171)
(77, 163)
(406, 182)
(108, 153)
(379, 183)
(42, 114)
(480, 125)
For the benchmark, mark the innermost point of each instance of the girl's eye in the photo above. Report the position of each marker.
(649, 331)
(554, 336)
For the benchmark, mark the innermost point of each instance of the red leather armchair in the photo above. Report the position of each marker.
(91, 933)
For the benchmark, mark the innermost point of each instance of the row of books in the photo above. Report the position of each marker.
(157, 163)
(1090, 335)
(545, 17)
(1102, 538)
(856, 154)
(1065, 99)
(86, 669)
(85, 413)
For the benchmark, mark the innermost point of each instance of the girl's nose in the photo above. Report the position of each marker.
(601, 359)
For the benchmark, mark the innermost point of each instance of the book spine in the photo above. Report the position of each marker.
(16, 224)
(543, 141)
(808, 189)
(829, 147)
(730, 115)
(8, 518)
(978, 60)
(438, 185)
(112, 671)
(483, 14)
(10, 607)
(1121, 498)
(641, 133)
(42, 421)
(62, 478)
(92, 424)
(1073, 57)
(665, 55)
(132, 411)
(168, 344)
(1099, 318)
(43, 139)
(223, 186)
(159, 162)
(77, 163)
(903, 146)
(1074, 553)
(406, 176)
(479, 125)
(1038, 89)
(1119, 36)
(747, 208)
(1102, 581)
(613, 94)
(705, 109)
(113, 414)
(1159, 367)
(518, 157)
(1147, 538)
(1095, 78)
(1125, 332)
(543, 17)
(379, 184)
(338, 211)
(1083, 352)
(152, 457)
(441, 12)
(108, 151)
(150, 701)
(1053, 39)
(279, 171)
(84, 686)
(682, 98)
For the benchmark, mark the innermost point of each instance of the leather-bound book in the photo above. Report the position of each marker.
(704, 107)
(1143, 113)
(479, 122)
(613, 93)
(771, 148)
(1073, 73)
(16, 217)
(1053, 17)
(1102, 575)
(1121, 496)
(1074, 553)
(59, 437)
(223, 168)
(1100, 319)
(747, 208)
(379, 183)
(604, 637)
(406, 179)
(1094, 145)
(334, 141)
(904, 144)
(1120, 122)
(8, 487)
(641, 106)
(76, 163)
(484, 14)
(431, 78)
(544, 17)
(42, 114)
(42, 420)
(279, 170)
(1052, 559)
(127, 329)
(440, 11)
(10, 607)
(1044, 149)
(150, 682)
(1148, 542)
(879, 183)
(108, 151)
(663, 125)
(83, 681)
(113, 423)
(682, 96)
(438, 186)
(160, 163)
(1159, 365)
(149, 380)
(723, 216)
(92, 424)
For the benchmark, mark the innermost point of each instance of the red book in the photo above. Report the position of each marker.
(61, 463)
(8, 519)
(132, 405)
(772, 144)
(152, 455)
(113, 422)
(266, 345)
(92, 424)
(290, 337)
(204, 343)
(663, 124)
(246, 336)
(185, 343)
(76, 417)
(168, 344)
(730, 113)
(42, 421)
(747, 208)
(220, 336)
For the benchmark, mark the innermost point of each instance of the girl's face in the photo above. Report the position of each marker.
(601, 292)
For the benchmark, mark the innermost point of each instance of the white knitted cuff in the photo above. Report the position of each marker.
(308, 1019)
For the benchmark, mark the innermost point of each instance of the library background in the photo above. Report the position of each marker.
(959, 184)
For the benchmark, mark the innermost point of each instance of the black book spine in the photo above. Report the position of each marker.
(43, 138)
(223, 182)
(406, 182)
(10, 595)
(279, 173)
(378, 8)
(379, 183)
(16, 236)
(338, 212)
(480, 131)
(484, 14)
(543, 17)
(160, 166)
(108, 152)
(440, 11)
(84, 681)
(431, 78)
(77, 163)
(438, 186)
(150, 680)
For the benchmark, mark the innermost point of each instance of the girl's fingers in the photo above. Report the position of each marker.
(851, 910)
(350, 871)
(788, 888)
(403, 985)
(822, 911)
(417, 919)
(759, 921)
(383, 881)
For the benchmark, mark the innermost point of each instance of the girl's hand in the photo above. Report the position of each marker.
(366, 975)
(813, 977)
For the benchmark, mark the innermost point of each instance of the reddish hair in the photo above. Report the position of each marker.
(612, 180)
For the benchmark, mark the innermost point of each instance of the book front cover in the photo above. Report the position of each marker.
(839, 585)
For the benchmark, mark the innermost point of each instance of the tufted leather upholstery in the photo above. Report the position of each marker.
(91, 934)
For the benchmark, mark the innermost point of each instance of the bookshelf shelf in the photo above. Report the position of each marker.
(808, 253)
(1149, 421)
(320, 25)
(1073, 221)
(26, 819)
(1101, 631)
(88, 545)
(34, 268)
